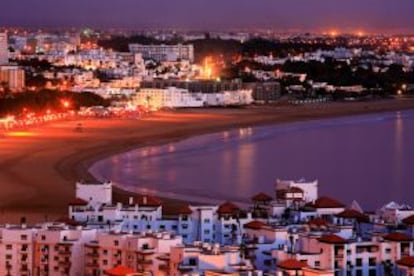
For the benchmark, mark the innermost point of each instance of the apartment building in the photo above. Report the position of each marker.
(164, 52)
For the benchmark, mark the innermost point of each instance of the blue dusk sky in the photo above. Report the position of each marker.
(309, 15)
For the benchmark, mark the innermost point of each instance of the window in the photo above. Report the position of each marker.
(358, 272)
(192, 261)
(116, 243)
(206, 220)
(105, 262)
(358, 262)
(206, 231)
(388, 250)
(317, 263)
(9, 247)
(372, 261)
(184, 226)
(267, 262)
(105, 252)
(162, 227)
(43, 237)
(373, 272)
(9, 257)
(174, 227)
(23, 237)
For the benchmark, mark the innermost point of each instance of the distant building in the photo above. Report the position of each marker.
(203, 86)
(164, 52)
(264, 92)
(12, 77)
(4, 50)
(170, 97)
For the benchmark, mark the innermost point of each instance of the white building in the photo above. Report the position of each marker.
(164, 52)
(4, 49)
(170, 97)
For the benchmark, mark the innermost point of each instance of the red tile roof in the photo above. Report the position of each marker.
(352, 214)
(119, 271)
(78, 202)
(332, 238)
(406, 261)
(292, 264)
(262, 197)
(317, 222)
(147, 200)
(185, 210)
(228, 208)
(409, 220)
(327, 202)
(68, 221)
(398, 237)
(255, 224)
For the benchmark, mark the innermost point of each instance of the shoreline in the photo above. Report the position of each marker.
(70, 159)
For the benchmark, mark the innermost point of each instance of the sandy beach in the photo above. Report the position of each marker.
(39, 166)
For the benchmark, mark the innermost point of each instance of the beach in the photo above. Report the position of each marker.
(40, 166)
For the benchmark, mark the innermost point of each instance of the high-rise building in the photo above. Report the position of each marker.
(13, 77)
(4, 49)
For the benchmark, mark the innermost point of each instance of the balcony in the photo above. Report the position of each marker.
(164, 267)
(93, 254)
(146, 251)
(185, 267)
(65, 252)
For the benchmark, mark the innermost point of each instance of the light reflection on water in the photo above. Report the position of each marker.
(366, 158)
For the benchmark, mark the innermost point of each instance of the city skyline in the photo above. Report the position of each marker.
(315, 15)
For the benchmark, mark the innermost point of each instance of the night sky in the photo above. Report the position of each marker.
(310, 15)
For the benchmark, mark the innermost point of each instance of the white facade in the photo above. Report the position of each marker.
(99, 193)
(4, 49)
(171, 97)
(310, 189)
(164, 52)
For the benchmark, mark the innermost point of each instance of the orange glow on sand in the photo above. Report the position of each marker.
(20, 134)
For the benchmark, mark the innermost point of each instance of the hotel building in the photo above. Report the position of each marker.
(164, 52)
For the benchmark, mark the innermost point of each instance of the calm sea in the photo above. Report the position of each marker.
(368, 158)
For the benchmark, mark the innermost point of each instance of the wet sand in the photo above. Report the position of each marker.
(39, 166)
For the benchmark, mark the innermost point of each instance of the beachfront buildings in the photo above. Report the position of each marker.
(173, 97)
(293, 232)
(164, 52)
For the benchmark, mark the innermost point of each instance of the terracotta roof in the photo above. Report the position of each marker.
(255, 224)
(327, 202)
(147, 200)
(352, 214)
(68, 221)
(185, 210)
(409, 220)
(292, 264)
(78, 202)
(119, 271)
(227, 208)
(332, 238)
(317, 222)
(262, 197)
(406, 261)
(398, 237)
